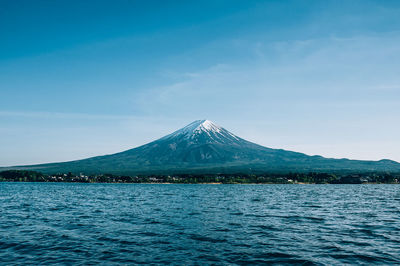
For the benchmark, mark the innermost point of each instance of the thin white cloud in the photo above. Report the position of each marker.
(58, 115)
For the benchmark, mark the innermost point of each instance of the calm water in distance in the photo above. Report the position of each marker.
(72, 224)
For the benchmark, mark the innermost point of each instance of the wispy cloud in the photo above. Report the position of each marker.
(325, 70)
(57, 115)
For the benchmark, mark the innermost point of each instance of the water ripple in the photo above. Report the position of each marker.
(113, 224)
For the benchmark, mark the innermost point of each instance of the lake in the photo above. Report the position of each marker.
(64, 223)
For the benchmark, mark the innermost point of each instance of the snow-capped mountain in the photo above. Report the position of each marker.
(200, 142)
(205, 147)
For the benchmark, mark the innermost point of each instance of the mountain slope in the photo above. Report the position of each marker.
(203, 146)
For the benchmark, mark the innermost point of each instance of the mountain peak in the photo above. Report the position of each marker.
(204, 129)
(206, 125)
(198, 126)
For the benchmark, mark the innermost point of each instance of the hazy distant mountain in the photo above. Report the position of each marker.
(205, 147)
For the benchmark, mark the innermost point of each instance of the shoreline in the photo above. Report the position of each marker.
(210, 183)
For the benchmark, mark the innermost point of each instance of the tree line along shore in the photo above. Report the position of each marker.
(239, 178)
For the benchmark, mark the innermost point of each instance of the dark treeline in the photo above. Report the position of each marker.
(268, 178)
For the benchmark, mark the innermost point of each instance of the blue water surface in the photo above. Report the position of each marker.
(73, 224)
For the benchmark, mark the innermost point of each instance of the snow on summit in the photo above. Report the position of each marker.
(213, 132)
(207, 125)
(198, 126)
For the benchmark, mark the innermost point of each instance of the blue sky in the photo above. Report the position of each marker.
(85, 78)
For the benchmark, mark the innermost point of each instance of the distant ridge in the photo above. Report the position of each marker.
(204, 147)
